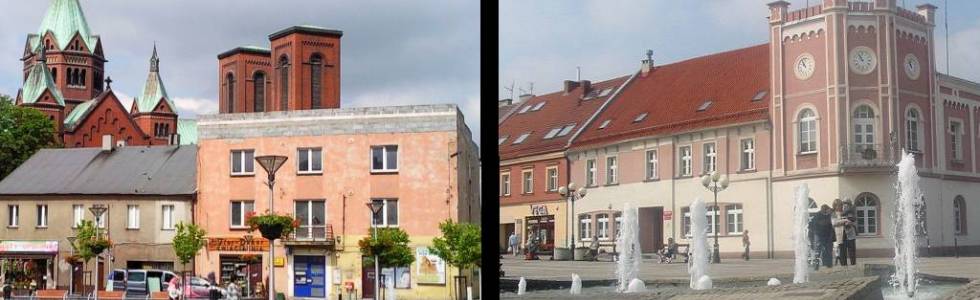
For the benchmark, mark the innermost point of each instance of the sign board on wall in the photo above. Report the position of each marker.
(668, 215)
(539, 210)
(430, 268)
(237, 244)
(28, 246)
(279, 262)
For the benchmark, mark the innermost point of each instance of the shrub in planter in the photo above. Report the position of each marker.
(271, 225)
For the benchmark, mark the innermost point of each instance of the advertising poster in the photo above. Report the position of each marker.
(431, 268)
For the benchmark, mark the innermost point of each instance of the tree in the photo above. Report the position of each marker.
(23, 131)
(459, 245)
(391, 245)
(188, 240)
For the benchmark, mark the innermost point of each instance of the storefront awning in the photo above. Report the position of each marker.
(22, 247)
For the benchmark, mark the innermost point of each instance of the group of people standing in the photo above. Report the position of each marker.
(834, 228)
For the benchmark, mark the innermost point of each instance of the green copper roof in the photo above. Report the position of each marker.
(78, 113)
(153, 89)
(187, 129)
(38, 81)
(64, 19)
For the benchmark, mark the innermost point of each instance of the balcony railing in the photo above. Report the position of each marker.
(311, 235)
(866, 156)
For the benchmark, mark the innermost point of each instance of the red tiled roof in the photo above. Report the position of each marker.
(672, 94)
(560, 109)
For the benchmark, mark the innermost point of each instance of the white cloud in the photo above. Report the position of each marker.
(191, 107)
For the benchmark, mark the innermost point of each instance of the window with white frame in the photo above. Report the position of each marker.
(505, 184)
(866, 210)
(686, 221)
(309, 160)
(590, 173)
(239, 210)
(602, 226)
(384, 158)
(168, 217)
(618, 217)
(13, 215)
(388, 217)
(242, 162)
(685, 160)
(312, 217)
(712, 213)
(42, 216)
(527, 181)
(710, 158)
(955, 140)
(808, 131)
(611, 170)
(585, 227)
(912, 130)
(864, 135)
(133, 221)
(77, 215)
(552, 179)
(651, 164)
(748, 154)
(733, 216)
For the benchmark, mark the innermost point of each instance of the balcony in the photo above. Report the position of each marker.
(311, 235)
(859, 156)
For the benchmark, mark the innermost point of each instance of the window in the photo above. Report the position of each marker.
(710, 158)
(239, 210)
(242, 162)
(566, 130)
(686, 221)
(230, 92)
(312, 217)
(959, 215)
(100, 221)
(760, 96)
(309, 161)
(748, 154)
(553, 179)
(733, 215)
(78, 214)
(133, 222)
(912, 130)
(42, 216)
(808, 132)
(168, 217)
(712, 213)
(521, 138)
(602, 226)
(590, 173)
(538, 106)
(685, 161)
(585, 227)
(640, 118)
(505, 184)
(283, 83)
(604, 124)
(13, 215)
(388, 215)
(527, 182)
(384, 158)
(619, 224)
(525, 109)
(651, 164)
(605, 92)
(866, 208)
(611, 170)
(502, 140)
(956, 145)
(552, 133)
(704, 106)
(258, 85)
(316, 80)
(864, 135)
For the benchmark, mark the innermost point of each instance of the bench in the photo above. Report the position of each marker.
(111, 295)
(159, 295)
(50, 294)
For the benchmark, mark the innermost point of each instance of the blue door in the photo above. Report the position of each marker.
(310, 276)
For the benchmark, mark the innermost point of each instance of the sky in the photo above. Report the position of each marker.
(542, 42)
(392, 52)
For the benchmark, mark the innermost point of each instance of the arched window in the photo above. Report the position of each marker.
(283, 83)
(808, 131)
(864, 134)
(70, 76)
(258, 83)
(912, 130)
(959, 215)
(866, 210)
(316, 78)
(54, 74)
(230, 88)
(82, 78)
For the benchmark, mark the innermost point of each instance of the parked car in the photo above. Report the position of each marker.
(200, 287)
(136, 283)
(116, 280)
(143, 282)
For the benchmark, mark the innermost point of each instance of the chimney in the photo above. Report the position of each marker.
(523, 98)
(107, 143)
(929, 11)
(586, 87)
(504, 102)
(570, 85)
(647, 64)
(777, 11)
(175, 139)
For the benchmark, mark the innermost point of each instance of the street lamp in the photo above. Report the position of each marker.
(376, 207)
(97, 210)
(271, 164)
(71, 275)
(580, 193)
(715, 182)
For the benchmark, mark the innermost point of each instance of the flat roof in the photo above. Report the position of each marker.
(307, 29)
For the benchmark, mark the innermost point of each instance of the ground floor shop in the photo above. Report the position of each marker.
(545, 220)
(29, 265)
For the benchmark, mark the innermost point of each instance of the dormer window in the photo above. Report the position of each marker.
(525, 109)
(521, 138)
(760, 95)
(538, 107)
(552, 133)
(704, 106)
(566, 130)
(604, 124)
(502, 140)
(605, 92)
(640, 118)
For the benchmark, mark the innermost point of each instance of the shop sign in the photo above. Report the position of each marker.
(430, 268)
(668, 215)
(237, 244)
(279, 262)
(539, 210)
(28, 246)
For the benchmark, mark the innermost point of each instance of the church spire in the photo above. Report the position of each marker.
(154, 60)
(153, 90)
(64, 19)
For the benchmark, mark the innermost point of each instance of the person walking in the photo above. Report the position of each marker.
(513, 244)
(745, 244)
(838, 220)
(822, 234)
(850, 239)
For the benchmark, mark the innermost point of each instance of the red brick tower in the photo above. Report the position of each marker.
(153, 110)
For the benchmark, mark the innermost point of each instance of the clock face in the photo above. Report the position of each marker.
(863, 60)
(804, 66)
(912, 68)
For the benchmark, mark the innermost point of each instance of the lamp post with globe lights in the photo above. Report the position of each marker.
(271, 164)
(715, 182)
(572, 195)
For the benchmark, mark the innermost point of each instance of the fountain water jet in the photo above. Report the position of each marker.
(521, 286)
(773, 282)
(906, 219)
(628, 241)
(699, 243)
(801, 239)
(636, 286)
(576, 285)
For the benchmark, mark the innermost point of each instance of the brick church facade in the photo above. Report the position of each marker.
(65, 78)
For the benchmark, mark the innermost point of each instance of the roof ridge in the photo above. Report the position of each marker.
(716, 54)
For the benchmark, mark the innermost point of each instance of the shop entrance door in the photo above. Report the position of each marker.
(651, 221)
(544, 228)
(367, 279)
(310, 276)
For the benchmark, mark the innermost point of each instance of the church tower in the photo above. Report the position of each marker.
(40, 91)
(153, 110)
